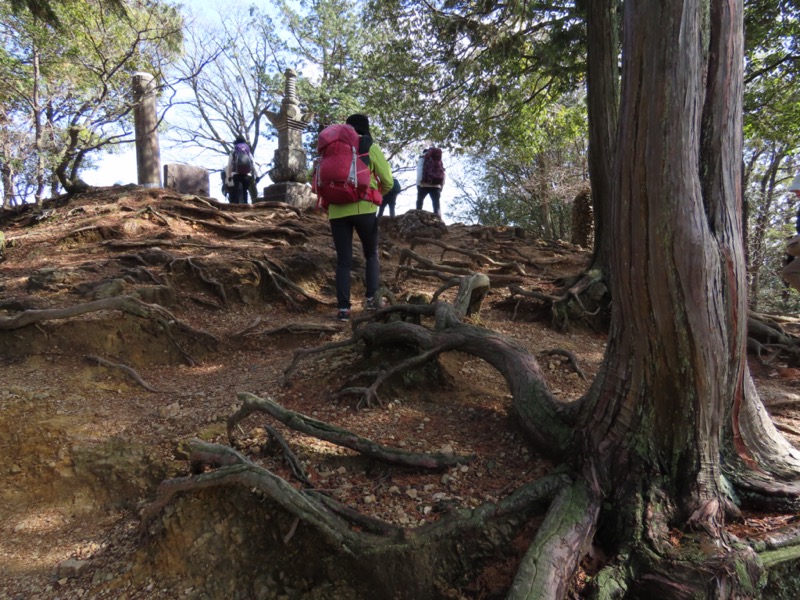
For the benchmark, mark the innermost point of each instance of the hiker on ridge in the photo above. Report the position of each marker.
(352, 205)
(390, 199)
(239, 172)
(430, 178)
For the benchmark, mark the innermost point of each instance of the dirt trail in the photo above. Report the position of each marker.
(95, 407)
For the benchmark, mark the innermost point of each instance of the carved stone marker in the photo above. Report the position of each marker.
(289, 163)
(187, 179)
(145, 122)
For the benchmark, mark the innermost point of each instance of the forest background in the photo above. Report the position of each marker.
(502, 90)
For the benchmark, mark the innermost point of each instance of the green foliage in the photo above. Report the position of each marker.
(772, 72)
(47, 11)
(531, 182)
(772, 144)
(470, 72)
(68, 94)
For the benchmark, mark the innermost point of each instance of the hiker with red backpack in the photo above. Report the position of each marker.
(240, 172)
(350, 177)
(430, 178)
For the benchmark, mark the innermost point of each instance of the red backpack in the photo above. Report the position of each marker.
(342, 175)
(432, 167)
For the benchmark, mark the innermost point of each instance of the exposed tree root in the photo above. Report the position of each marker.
(443, 272)
(127, 304)
(477, 256)
(291, 458)
(102, 231)
(250, 330)
(765, 333)
(472, 290)
(341, 437)
(573, 360)
(760, 465)
(130, 371)
(552, 560)
(279, 282)
(157, 242)
(206, 211)
(412, 560)
(540, 413)
(289, 232)
(203, 275)
(583, 299)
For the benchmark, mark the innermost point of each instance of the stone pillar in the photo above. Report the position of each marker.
(145, 117)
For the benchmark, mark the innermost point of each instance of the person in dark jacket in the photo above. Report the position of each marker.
(239, 184)
(390, 199)
(426, 187)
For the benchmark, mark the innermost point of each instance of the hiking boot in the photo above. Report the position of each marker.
(343, 314)
(371, 304)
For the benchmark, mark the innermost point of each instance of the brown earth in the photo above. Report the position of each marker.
(187, 303)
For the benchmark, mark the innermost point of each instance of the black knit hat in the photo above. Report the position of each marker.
(360, 123)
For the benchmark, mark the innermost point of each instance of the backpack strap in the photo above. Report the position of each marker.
(364, 144)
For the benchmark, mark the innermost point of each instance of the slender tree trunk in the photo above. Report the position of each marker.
(7, 176)
(38, 129)
(603, 107)
(767, 189)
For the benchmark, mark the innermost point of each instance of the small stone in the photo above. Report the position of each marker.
(411, 493)
(71, 567)
(170, 411)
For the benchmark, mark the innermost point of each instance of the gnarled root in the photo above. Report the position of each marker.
(341, 437)
(585, 299)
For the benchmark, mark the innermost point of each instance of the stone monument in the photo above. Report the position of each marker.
(288, 173)
(187, 179)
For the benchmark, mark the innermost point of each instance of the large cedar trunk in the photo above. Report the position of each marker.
(675, 357)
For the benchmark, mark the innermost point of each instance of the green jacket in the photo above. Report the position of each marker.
(379, 170)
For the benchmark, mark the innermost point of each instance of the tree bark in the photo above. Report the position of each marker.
(675, 360)
(602, 77)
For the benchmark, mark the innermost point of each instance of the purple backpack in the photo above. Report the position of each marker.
(242, 159)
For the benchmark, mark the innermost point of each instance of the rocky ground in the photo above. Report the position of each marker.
(130, 322)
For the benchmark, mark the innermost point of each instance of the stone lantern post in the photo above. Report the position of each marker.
(289, 163)
(145, 117)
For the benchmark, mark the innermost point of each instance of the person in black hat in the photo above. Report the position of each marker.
(362, 217)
